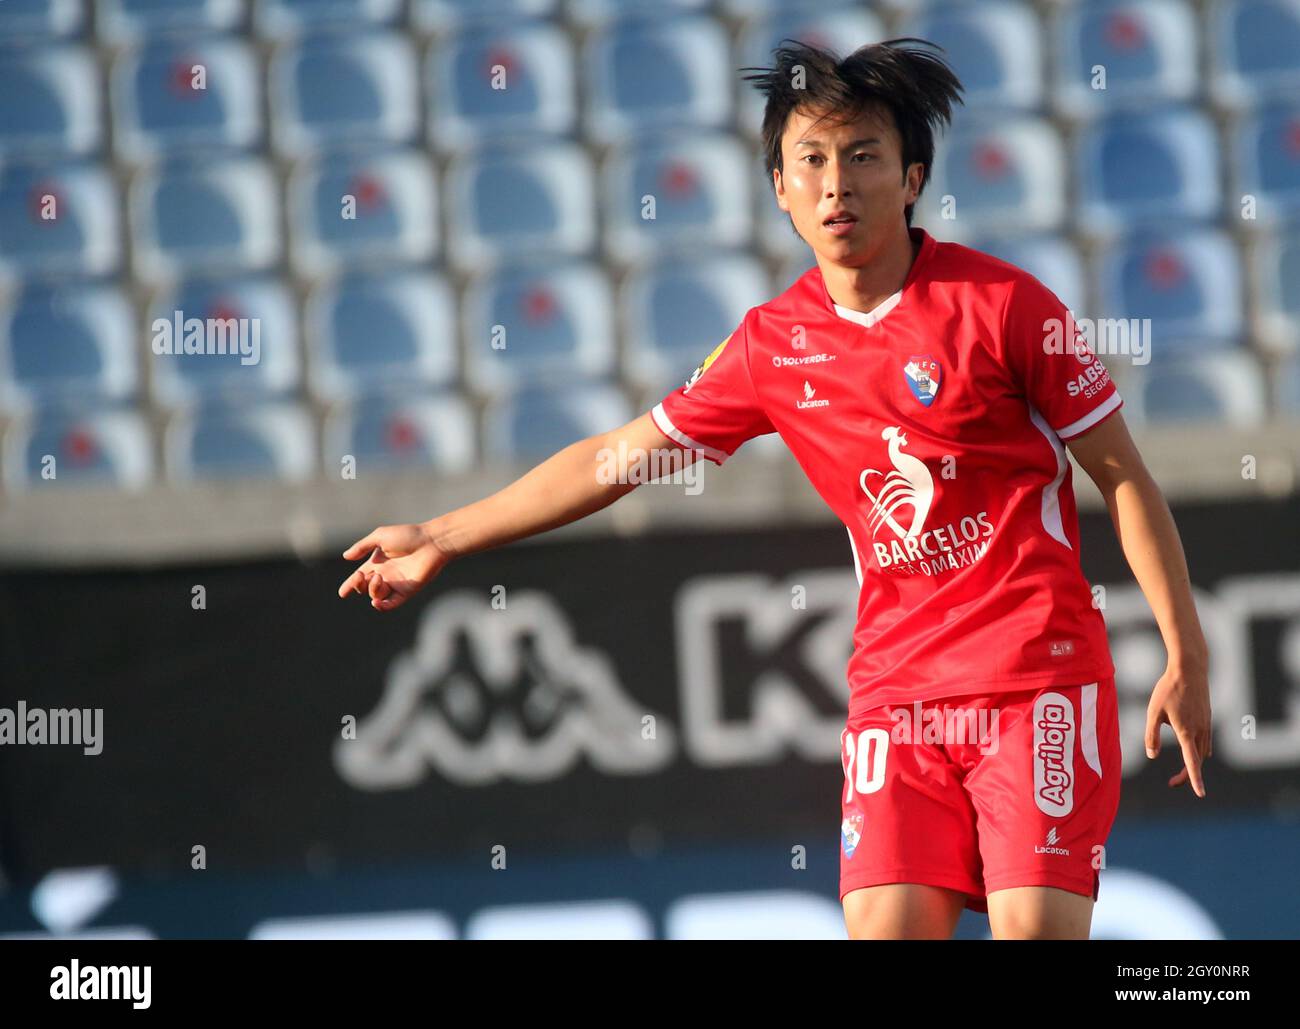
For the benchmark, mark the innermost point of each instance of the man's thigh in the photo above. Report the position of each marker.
(902, 911)
(1039, 913)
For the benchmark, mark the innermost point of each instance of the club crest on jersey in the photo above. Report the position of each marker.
(923, 377)
(851, 833)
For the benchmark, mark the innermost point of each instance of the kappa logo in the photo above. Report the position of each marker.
(488, 694)
(1054, 730)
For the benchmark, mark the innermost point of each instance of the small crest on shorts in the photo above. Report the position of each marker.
(851, 833)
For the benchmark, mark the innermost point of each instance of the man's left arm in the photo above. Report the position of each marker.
(1147, 534)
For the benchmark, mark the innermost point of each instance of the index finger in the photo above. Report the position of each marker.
(353, 583)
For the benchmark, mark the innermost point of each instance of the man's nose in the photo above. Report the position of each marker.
(833, 181)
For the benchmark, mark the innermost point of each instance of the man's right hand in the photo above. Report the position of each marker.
(400, 561)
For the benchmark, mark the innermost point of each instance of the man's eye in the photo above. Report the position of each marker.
(866, 157)
(812, 157)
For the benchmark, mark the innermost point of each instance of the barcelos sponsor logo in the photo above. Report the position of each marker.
(912, 548)
(704, 365)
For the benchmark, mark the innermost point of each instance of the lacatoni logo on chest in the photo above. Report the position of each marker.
(900, 502)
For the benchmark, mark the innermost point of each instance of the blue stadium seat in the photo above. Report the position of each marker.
(520, 201)
(274, 440)
(281, 17)
(448, 15)
(121, 21)
(370, 331)
(205, 217)
(493, 82)
(58, 219)
(393, 431)
(537, 422)
(644, 74)
(358, 208)
(181, 93)
(1006, 175)
(1218, 388)
(49, 102)
(824, 25)
(1155, 166)
(994, 48)
(674, 312)
(1148, 49)
(590, 12)
(1254, 45)
(1189, 284)
(699, 190)
(248, 333)
(72, 342)
(1286, 384)
(340, 88)
(60, 446)
(1276, 276)
(1052, 260)
(555, 323)
(1268, 159)
(27, 21)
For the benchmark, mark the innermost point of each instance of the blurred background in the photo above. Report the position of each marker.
(453, 237)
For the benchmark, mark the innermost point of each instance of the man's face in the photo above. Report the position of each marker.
(855, 167)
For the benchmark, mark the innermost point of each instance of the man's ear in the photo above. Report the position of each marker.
(915, 172)
(779, 186)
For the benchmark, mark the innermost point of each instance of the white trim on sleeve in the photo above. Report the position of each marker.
(1092, 417)
(670, 430)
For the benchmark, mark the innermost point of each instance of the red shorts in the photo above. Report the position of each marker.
(1005, 789)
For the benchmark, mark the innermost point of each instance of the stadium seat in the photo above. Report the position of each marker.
(1276, 276)
(535, 423)
(1286, 384)
(49, 102)
(122, 21)
(61, 446)
(58, 219)
(688, 189)
(1189, 284)
(539, 324)
(344, 88)
(175, 94)
(1147, 48)
(522, 201)
(448, 15)
(1052, 260)
(1225, 387)
(73, 342)
(208, 216)
(244, 441)
(1254, 45)
(402, 431)
(248, 331)
(1268, 159)
(281, 17)
(370, 331)
(590, 12)
(1005, 175)
(675, 312)
(993, 47)
(30, 21)
(354, 208)
(825, 25)
(496, 82)
(644, 74)
(1156, 166)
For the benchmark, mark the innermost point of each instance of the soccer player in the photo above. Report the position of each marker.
(929, 392)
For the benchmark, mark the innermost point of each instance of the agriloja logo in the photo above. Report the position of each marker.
(909, 484)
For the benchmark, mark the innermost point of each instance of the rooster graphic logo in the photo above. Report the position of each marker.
(909, 483)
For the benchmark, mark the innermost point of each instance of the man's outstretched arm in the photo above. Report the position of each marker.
(1151, 545)
(400, 560)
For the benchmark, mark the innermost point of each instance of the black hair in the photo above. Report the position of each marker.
(917, 87)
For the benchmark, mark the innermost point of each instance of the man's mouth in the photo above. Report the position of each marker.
(840, 219)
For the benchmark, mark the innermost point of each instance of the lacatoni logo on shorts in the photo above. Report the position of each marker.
(1050, 844)
(1054, 727)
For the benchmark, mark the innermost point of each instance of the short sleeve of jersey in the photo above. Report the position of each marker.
(1052, 360)
(717, 409)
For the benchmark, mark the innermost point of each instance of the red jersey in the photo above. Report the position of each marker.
(932, 426)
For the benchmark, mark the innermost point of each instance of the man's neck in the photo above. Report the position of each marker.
(867, 287)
